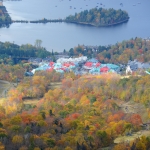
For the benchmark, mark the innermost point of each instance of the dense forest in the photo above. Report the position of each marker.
(119, 53)
(82, 114)
(9, 50)
(99, 17)
(5, 19)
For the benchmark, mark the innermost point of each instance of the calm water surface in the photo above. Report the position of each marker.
(60, 36)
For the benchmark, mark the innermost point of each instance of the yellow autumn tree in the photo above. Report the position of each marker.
(23, 148)
(84, 100)
(120, 147)
(140, 145)
(17, 140)
(2, 147)
(68, 148)
(37, 148)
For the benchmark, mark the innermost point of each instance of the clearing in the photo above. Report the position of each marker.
(34, 101)
(131, 108)
(5, 86)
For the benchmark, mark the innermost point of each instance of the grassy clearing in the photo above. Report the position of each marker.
(134, 108)
(54, 85)
(131, 108)
(34, 101)
(31, 101)
(122, 139)
(4, 87)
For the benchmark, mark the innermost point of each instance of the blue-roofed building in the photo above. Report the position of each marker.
(134, 65)
(93, 60)
(95, 70)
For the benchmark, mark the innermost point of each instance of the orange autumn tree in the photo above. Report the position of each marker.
(116, 117)
(15, 95)
(136, 120)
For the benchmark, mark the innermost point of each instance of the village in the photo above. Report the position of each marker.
(82, 65)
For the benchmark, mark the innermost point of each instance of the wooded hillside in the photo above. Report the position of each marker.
(84, 113)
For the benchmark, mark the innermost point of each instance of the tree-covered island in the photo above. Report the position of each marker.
(99, 17)
(5, 19)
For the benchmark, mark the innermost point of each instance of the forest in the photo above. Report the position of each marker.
(9, 50)
(5, 19)
(84, 113)
(119, 53)
(99, 17)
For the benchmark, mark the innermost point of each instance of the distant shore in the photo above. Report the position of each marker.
(61, 20)
(38, 21)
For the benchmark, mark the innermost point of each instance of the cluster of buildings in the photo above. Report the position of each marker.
(79, 66)
(82, 65)
(134, 65)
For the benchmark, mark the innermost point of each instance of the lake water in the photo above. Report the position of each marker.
(60, 36)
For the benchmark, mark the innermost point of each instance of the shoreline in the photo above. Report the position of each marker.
(61, 20)
(90, 24)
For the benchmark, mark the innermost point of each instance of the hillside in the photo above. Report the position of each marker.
(119, 53)
(83, 113)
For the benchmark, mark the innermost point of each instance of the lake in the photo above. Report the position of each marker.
(60, 36)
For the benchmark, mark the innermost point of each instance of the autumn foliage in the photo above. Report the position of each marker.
(82, 113)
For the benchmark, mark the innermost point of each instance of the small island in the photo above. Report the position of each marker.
(5, 19)
(99, 17)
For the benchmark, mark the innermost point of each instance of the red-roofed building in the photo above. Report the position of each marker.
(88, 64)
(51, 64)
(50, 69)
(66, 65)
(104, 70)
(71, 63)
(63, 69)
(98, 64)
